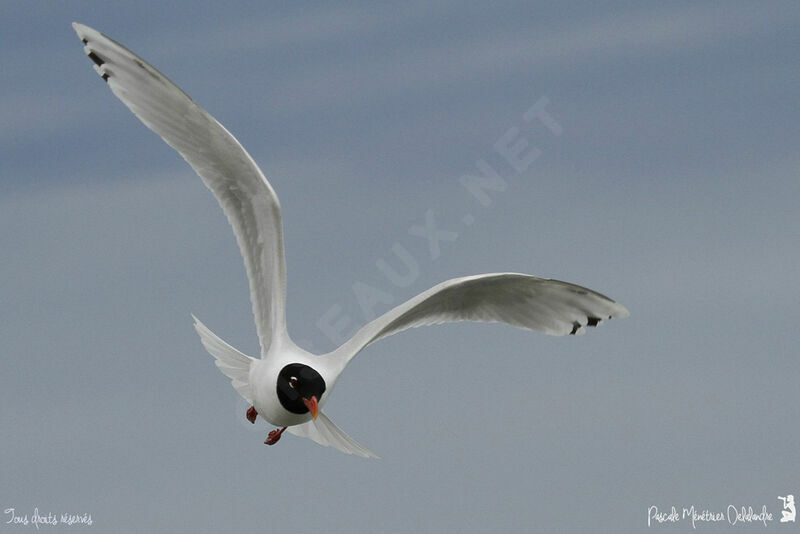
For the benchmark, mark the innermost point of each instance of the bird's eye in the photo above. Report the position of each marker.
(292, 382)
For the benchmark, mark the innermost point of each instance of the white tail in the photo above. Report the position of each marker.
(323, 431)
(230, 361)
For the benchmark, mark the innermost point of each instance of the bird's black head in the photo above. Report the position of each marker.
(299, 389)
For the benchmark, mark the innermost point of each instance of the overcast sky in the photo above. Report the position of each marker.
(663, 173)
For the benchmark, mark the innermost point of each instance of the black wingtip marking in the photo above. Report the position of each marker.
(105, 77)
(575, 327)
(593, 321)
(94, 57)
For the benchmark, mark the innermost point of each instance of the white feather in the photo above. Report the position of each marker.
(323, 431)
(230, 361)
(226, 168)
(549, 306)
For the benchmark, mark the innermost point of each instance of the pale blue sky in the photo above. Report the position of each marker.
(672, 188)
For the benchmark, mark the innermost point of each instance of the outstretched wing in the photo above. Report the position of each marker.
(226, 168)
(549, 306)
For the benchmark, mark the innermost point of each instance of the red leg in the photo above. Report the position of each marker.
(252, 414)
(274, 436)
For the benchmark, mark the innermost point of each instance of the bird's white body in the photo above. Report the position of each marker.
(262, 382)
(252, 208)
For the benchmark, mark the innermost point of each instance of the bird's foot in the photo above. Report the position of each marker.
(274, 436)
(252, 414)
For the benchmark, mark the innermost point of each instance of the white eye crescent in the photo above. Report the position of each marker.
(292, 381)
